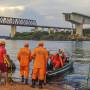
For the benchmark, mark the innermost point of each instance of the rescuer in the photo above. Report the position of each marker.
(57, 61)
(40, 55)
(24, 57)
(3, 66)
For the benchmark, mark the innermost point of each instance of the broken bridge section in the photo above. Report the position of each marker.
(78, 20)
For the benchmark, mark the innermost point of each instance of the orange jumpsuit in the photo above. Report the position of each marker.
(40, 55)
(24, 57)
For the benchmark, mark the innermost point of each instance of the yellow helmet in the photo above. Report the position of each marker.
(26, 44)
(62, 50)
(41, 43)
(2, 42)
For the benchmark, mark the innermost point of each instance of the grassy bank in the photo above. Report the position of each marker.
(42, 36)
(38, 35)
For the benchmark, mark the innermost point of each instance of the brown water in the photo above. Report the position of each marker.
(78, 51)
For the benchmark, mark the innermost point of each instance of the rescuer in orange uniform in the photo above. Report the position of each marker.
(40, 55)
(24, 57)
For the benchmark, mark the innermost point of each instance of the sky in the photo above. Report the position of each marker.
(45, 12)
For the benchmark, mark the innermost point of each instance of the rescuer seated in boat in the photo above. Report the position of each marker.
(56, 60)
(63, 56)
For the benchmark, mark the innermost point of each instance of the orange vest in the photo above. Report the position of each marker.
(24, 56)
(40, 56)
(56, 59)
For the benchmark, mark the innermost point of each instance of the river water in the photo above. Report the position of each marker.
(79, 51)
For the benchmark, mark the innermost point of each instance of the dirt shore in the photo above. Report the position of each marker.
(19, 86)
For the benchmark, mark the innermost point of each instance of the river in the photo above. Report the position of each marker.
(79, 51)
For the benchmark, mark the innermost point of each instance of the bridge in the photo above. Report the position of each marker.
(78, 20)
(13, 22)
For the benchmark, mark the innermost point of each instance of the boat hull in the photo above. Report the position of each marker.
(59, 71)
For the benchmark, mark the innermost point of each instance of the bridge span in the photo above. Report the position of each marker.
(77, 19)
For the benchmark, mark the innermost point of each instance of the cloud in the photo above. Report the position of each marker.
(11, 8)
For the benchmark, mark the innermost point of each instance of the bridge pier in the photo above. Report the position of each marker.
(13, 30)
(72, 32)
(54, 30)
(38, 29)
(79, 29)
(49, 31)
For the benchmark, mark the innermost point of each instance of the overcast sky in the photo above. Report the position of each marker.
(46, 12)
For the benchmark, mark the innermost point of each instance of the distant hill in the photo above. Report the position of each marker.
(4, 37)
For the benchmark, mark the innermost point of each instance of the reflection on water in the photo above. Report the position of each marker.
(81, 58)
(79, 52)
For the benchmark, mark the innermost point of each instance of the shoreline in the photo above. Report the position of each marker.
(20, 86)
(58, 36)
(47, 40)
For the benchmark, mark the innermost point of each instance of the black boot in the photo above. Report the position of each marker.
(41, 84)
(33, 83)
(22, 79)
(26, 81)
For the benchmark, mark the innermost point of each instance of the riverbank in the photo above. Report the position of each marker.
(19, 86)
(40, 36)
(57, 36)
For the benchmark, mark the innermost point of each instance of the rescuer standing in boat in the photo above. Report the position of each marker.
(40, 55)
(24, 57)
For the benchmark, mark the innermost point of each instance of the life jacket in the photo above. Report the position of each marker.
(2, 54)
(6, 60)
(57, 60)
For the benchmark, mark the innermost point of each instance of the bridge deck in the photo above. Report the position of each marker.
(24, 22)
